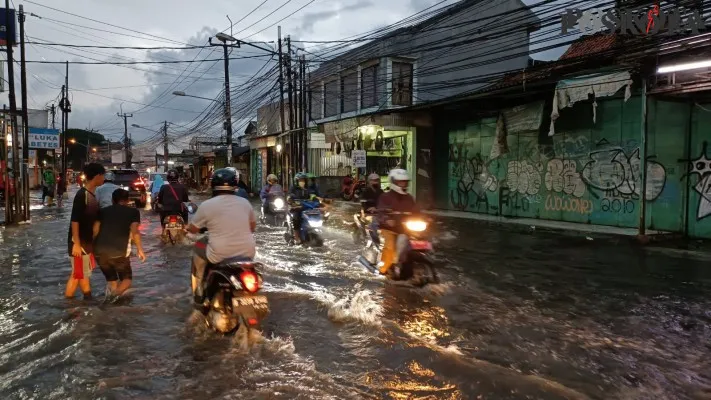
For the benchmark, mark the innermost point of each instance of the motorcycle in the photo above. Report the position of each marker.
(311, 223)
(231, 296)
(352, 188)
(174, 226)
(415, 264)
(274, 211)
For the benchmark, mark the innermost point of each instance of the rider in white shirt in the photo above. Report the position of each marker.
(231, 223)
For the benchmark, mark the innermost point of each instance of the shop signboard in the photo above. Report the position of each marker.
(358, 158)
(44, 138)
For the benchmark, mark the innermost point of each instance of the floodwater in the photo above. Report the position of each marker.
(519, 315)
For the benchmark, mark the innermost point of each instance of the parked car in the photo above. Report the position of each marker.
(130, 180)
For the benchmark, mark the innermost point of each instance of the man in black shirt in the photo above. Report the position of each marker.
(369, 198)
(116, 228)
(80, 240)
(171, 198)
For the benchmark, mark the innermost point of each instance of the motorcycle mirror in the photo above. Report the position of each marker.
(192, 208)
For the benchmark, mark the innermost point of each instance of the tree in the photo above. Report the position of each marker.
(78, 140)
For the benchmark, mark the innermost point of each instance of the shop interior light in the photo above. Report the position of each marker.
(684, 67)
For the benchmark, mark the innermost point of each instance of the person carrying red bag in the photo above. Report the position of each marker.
(85, 211)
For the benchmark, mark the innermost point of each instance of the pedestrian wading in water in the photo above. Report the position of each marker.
(85, 211)
(114, 231)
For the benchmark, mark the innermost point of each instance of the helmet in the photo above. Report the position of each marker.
(172, 175)
(224, 180)
(300, 176)
(109, 176)
(373, 177)
(398, 175)
(272, 178)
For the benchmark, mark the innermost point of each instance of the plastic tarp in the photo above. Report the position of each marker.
(570, 91)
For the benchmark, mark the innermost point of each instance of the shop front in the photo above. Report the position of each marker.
(262, 159)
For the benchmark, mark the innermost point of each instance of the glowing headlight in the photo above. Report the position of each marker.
(416, 225)
(278, 203)
(315, 224)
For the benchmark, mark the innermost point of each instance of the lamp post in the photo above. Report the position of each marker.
(87, 146)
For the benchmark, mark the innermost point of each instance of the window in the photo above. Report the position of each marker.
(368, 87)
(402, 84)
(349, 93)
(331, 99)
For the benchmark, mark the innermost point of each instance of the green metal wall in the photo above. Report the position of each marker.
(587, 172)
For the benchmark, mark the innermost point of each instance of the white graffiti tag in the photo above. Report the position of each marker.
(524, 177)
(701, 166)
(612, 169)
(563, 176)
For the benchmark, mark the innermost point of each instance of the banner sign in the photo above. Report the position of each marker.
(358, 158)
(8, 27)
(44, 138)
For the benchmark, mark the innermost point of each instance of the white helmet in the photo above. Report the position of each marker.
(272, 177)
(398, 175)
(373, 177)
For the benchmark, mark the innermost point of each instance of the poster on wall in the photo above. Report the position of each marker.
(358, 158)
(44, 138)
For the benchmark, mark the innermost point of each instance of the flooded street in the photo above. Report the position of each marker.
(517, 316)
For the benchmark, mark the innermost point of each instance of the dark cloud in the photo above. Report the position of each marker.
(309, 20)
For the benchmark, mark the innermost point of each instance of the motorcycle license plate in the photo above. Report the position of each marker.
(253, 301)
(420, 245)
(174, 225)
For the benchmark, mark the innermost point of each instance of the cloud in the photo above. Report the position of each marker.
(309, 20)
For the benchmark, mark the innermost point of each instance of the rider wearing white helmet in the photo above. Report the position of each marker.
(395, 200)
(272, 188)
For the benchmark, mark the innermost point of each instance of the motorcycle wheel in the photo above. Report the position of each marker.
(422, 274)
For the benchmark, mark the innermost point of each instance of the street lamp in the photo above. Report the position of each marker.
(183, 94)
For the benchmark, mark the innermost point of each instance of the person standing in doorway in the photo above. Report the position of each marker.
(85, 211)
(114, 231)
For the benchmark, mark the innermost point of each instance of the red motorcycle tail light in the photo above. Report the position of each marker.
(250, 281)
(173, 219)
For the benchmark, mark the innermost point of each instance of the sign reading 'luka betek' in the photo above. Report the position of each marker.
(642, 22)
(44, 138)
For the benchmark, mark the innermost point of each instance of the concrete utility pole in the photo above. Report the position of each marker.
(304, 116)
(66, 107)
(282, 122)
(289, 83)
(126, 140)
(25, 126)
(165, 145)
(9, 18)
(225, 39)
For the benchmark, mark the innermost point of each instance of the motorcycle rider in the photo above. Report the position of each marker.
(395, 200)
(171, 198)
(369, 198)
(105, 192)
(272, 188)
(231, 223)
(298, 192)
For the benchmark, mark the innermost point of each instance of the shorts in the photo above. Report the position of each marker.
(115, 268)
(82, 266)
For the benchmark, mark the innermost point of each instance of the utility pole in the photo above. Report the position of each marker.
(165, 145)
(126, 140)
(281, 106)
(304, 115)
(228, 111)
(53, 112)
(66, 107)
(288, 81)
(9, 18)
(25, 127)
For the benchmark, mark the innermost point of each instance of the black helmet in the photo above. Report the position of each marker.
(224, 180)
(172, 175)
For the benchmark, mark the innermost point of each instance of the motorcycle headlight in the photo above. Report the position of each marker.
(315, 223)
(278, 203)
(416, 225)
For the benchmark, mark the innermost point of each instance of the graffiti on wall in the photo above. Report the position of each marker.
(701, 166)
(612, 170)
(569, 204)
(524, 177)
(473, 178)
(562, 176)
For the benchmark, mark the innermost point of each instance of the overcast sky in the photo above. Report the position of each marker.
(98, 92)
